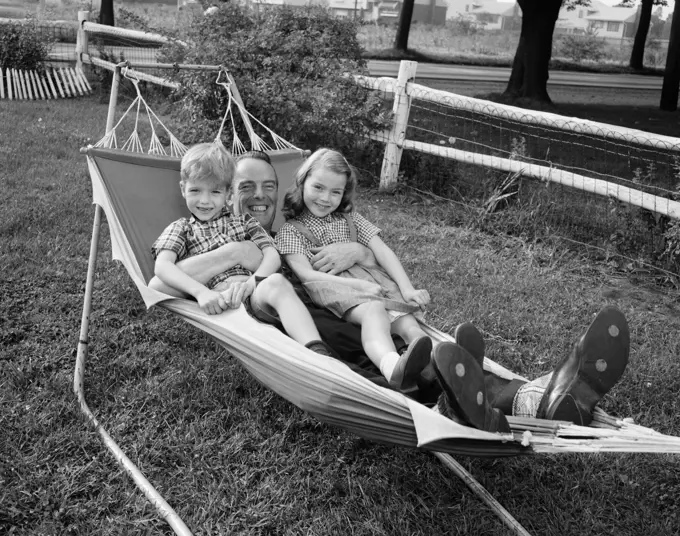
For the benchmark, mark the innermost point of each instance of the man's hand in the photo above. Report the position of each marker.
(237, 292)
(336, 258)
(421, 297)
(211, 302)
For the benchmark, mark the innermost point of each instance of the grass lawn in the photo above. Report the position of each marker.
(233, 458)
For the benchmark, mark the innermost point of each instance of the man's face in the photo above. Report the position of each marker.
(255, 191)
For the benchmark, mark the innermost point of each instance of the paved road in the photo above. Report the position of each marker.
(431, 71)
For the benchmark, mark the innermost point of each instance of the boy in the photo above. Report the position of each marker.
(206, 174)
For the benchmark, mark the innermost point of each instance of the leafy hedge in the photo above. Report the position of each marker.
(290, 65)
(22, 46)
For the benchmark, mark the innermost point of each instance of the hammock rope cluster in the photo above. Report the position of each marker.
(138, 210)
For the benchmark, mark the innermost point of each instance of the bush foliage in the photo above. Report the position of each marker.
(22, 47)
(290, 65)
(578, 48)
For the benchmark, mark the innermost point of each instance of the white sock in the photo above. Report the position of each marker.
(387, 364)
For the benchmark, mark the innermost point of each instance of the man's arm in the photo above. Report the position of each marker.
(170, 275)
(338, 257)
(205, 266)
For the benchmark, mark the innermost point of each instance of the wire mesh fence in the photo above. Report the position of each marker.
(596, 188)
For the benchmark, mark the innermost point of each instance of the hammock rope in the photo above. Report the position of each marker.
(133, 143)
(256, 141)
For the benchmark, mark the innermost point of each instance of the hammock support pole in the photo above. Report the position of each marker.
(481, 492)
(162, 507)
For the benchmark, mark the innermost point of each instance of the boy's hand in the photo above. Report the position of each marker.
(238, 291)
(419, 297)
(211, 302)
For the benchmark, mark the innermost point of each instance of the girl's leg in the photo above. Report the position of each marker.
(375, 330)
(401, 371)
(277, 294)
(408, 328)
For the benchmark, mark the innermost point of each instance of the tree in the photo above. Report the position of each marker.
(644, 20)
(529, 76)
(671, 76)
(106, 13)
(404, 26)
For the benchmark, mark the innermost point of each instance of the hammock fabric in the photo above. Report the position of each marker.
(140, 195)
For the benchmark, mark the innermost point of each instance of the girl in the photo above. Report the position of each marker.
(380, 299)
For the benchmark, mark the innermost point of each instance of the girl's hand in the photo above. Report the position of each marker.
(367, 286)
(420, 297)
(238, 292)
(211, 302)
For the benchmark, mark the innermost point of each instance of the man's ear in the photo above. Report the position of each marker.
(230, 199)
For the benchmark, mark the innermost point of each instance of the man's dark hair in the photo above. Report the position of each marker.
(255, 155)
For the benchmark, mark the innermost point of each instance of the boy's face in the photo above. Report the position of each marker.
(254, 191)
(205, 198)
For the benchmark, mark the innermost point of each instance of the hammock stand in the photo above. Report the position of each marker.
(323, 387)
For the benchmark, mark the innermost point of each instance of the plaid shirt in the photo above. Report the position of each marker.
(190, 236)
(329, 230)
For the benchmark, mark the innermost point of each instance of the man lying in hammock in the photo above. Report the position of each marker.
(473, 397)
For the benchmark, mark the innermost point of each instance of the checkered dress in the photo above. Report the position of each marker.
(336, 296)
(190, 236)
(329, 230)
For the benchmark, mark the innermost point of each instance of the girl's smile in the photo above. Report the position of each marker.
(323, 191)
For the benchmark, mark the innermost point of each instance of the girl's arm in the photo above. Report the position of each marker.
(169, 273)
(387, 259)
(303, 269)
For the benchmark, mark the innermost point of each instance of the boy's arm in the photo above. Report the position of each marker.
(205, 266)
(171, 275)
(388, 260)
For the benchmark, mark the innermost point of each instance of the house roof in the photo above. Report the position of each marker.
(493, 8)
(438, 3)
(614, 14)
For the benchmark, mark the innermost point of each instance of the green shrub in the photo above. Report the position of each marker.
(582, 47)
(290, 65)
(22, 47)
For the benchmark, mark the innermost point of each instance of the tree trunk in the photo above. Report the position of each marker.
(529, 77)
(671, 77)
(106, 13)
(404, 27)
(644, 20)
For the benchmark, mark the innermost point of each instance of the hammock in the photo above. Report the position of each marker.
(139, 194)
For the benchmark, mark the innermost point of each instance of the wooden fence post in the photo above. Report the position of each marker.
(397, 134)
(81, 38)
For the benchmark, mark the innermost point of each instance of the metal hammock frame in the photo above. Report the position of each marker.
(345, 399)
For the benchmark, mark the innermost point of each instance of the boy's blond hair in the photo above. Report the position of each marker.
(207, 161)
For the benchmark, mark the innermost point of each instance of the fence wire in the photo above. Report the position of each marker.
(612, 228)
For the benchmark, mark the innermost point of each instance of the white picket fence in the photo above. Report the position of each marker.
(52, 83)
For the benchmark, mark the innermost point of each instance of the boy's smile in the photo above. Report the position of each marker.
(205, 198)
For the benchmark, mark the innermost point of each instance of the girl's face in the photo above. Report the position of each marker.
(322, 192)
